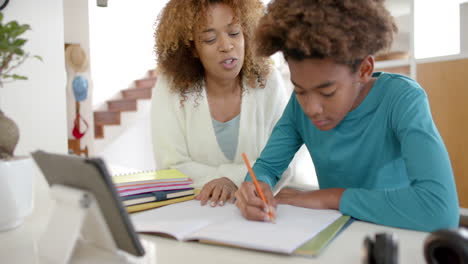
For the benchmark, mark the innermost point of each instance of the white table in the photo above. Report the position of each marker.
(20, 245)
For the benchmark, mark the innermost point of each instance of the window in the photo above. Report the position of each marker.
(436, 28)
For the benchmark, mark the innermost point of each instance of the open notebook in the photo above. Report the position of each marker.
(189, 220)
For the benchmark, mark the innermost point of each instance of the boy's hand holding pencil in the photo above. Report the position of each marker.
(255, 199)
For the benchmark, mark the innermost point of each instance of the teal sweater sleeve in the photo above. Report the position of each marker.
(430, 200)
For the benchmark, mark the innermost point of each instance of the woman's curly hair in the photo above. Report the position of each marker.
(345, 31)
(174, 46)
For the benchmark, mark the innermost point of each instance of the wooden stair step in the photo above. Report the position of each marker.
(122, 105)
(106, 118)
(137, 93)
(145, 83)
(153, 73)
(142, 90)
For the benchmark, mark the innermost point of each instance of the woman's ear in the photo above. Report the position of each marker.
(366, 69)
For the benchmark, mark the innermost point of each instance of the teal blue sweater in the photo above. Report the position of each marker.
(386, 153)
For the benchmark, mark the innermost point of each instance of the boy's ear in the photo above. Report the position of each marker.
(366, 69)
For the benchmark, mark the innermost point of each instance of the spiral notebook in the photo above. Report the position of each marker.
(130, 185)
(150, 176)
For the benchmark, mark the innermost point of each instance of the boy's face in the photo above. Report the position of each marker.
(220, 44)
(328, 91)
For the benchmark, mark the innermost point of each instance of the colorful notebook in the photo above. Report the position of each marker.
(147, 189)
(148, 177)
(151, 205)
(155, 196)
(151, 181)
(130, 186)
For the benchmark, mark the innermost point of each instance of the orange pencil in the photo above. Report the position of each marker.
(257, 186)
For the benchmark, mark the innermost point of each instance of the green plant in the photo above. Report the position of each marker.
(12, 54)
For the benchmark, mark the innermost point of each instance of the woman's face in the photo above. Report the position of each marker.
(328, 91)
(220, 44)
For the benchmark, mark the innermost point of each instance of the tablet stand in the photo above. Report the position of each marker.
(76, 221)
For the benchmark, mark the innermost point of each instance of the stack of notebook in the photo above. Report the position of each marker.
(146, 190)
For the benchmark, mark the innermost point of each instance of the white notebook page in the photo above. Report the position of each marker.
(189, 220)
(181, 219)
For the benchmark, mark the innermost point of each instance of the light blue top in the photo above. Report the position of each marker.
(227, 135)
(386, 153)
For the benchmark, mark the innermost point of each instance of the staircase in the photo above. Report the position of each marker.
(128, 102)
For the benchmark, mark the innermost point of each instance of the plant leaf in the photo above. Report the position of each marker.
(22, 29)
(3, 45)
(19, 77)
(38, 57)
(19, 51)
(12, 54)
(14, 29)
(12, 25)
(19, 42)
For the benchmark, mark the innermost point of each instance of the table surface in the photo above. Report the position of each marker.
(20, 245)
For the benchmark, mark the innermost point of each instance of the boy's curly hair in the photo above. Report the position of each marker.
(345, 31)
(174, 43)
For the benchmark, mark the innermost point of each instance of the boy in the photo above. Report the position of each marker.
(377, 152)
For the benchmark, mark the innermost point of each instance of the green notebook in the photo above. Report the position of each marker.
(314, 246)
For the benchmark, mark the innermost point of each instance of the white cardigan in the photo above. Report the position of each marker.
(184, 138)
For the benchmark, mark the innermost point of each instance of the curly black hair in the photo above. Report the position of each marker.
(344, 30)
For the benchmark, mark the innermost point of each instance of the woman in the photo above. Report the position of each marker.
(214, 99)
(377, 152)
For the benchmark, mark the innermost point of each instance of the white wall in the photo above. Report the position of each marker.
(38, 104)
(121, 42)
(76, 31)
(464, 27)
(133, 148)
(436, 28)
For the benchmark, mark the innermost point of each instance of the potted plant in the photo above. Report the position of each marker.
(16, 173)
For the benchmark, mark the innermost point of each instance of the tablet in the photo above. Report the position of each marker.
(92, 175)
